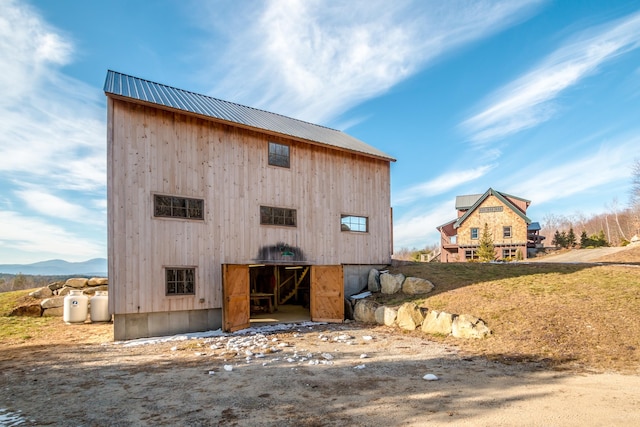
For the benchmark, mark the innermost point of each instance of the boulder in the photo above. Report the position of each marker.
(41, 293)
(365, 311)
(438, 322)
(98, 281)
(54, 286)
(91, 291)
(53, 312)
(52, 302)
(385, 315)
(467, 326)
(416, 286)
(348, 309)
(391, 283)
(77, 282)
(373, 283)
(409, 316)
(31, 310)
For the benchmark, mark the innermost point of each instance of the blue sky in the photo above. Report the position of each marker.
(539, 99)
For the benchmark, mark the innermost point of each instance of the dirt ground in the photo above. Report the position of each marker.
(308, 375)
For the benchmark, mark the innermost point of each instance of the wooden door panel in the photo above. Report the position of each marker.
(327, 293)
(235, 292)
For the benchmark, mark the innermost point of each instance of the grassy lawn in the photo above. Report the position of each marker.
(579, 316)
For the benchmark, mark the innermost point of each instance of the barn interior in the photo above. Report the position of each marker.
(279, 294)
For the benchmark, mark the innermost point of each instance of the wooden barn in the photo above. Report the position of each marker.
(221, 214)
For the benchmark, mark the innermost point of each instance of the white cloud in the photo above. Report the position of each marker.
(440, 184)
(26, 235)
(47, 204)
(314, 62)
(527, 101)
(418, 229)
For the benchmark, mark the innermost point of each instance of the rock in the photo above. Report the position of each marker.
(52, 302)
(54, 286)
(348, 309)
(77, 282)
(98, 281)
(438, 322)
(467, 326)
(41, 293)
(430, 377)
(31, 310)
(409, 316)
(92, 291)
(373, 283)
(385, 315)
(365, 311)
(64, 291)
(391, 283)
(53, 312)
(416, 286)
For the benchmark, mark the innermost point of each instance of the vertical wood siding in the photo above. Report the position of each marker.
(157, 152)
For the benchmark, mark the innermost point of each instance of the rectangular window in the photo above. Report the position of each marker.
(277, 216)
(278, 155)
(470, 254)
(178, 207)
(506, 232)
(180, 281)
(474, 233)
(354, 223)
(509, 253)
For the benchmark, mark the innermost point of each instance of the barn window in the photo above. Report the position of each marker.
(277, 216)
(506, 232)
(278, 155)
(180, 281)
(474, 233)
(354, 223)
(178, 207)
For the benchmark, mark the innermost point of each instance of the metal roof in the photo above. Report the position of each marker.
(501, 197)
(465, 202)
(167, 97)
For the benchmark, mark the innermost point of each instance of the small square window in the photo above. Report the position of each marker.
(180, 281)
(354, 223)
(278, 155)
(506, 232)
(474, 233)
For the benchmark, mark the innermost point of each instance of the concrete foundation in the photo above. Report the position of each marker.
(356, 277)
(144, 325)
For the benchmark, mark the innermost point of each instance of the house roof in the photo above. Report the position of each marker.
(534, 226)
(127, 87)
(502, 197)
(465, 202)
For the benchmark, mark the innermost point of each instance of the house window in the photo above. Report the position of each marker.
(277, 216)
(278, 155)
(474, 233)
(470, 254)
(506, 232)
(509, 253)
(178, 207)
(180, 281)
(354, 223)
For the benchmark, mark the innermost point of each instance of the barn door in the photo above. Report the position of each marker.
(235, 293)
(327, 293)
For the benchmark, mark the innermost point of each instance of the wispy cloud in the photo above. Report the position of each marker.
(528, 100)
(313, 62)
(415, 230)
(440, 184)
(50, 205)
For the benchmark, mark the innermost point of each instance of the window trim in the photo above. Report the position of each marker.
(279, 159)
(188, 209)
(507, 232)
(273, 215)
(349, 227)
(477, 233)
(183, 281)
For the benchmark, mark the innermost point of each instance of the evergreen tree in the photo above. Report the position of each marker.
(571, 238)
(584, 239)
(486, 251)
(557, 239)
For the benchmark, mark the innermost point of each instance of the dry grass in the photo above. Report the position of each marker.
(578, 316)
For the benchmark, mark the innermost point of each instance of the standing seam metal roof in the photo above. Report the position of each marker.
(178, 99)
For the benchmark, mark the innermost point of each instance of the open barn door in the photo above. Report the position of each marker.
(327, 293)
(235, 293)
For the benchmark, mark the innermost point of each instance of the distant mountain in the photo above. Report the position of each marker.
(57, 267)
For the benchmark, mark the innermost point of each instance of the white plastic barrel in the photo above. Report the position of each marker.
(99, 307)
(76, 306)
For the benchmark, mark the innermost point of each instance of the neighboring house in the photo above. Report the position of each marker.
(215, 208)
(506, 217)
